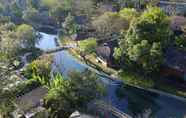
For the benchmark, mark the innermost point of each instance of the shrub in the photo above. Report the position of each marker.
(40, 67)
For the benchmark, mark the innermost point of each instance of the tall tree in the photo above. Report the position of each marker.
(146, 38)
(27, 35)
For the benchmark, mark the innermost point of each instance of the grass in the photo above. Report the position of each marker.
(134, 79)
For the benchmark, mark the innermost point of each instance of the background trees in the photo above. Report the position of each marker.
(109, 25)
(69, 26)
(27, 36)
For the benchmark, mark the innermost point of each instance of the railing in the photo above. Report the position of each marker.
(116, 112)
(58, 49)
(172, 3)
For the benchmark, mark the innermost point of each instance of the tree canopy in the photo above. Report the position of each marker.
(146, 38)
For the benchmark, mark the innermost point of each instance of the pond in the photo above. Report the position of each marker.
(136, 102)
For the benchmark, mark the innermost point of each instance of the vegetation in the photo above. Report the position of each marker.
(40, 67)
(66, 96)
(136, 33)
(146, 39)
(88, 46)
(109, 25)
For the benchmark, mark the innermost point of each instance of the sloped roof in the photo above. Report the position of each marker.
(104, 52)
(31, 99)
(177, 22)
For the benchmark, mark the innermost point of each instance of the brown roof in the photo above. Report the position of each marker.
(104, 52)
(31, 99)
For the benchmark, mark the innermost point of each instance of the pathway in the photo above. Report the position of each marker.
(116, 112)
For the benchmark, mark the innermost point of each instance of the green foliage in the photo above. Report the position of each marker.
(66, 96)
(49, 3)
(27, 35)
(1, 8)
(30, 14)
(146, 38)
(181, 42)
(7, 97)
(70, 27)
(88, 46)
(10, 45)
(16, 10)
(4, 19)
(135, 79)
(108, 25)
(40, 67)
(128, 13)
(83, 7)
(117, 54)
(59, 13)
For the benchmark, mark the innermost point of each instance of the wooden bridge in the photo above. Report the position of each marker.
(172, 8)
(49, 51)
(116, 112)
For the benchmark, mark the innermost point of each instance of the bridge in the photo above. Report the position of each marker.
(173, 3)
(172, 8)
(49, 51)
(116, 112)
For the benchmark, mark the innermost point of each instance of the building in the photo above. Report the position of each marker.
(30, 104)
(177, 23)
(105, 53)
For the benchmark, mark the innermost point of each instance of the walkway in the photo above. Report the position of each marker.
(172, 3)
(57, 49)
(116, 112)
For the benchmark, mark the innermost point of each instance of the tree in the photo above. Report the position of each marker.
(59, 13)
(69, 26)
(83, 7)
(181, 42)
(49, 3)
(9, 44)
(109, 25)
(40, 67)
(27, 35)
(146, 38)
(87, 46)
(30, 14)
(66, 96)
(128, 13)
(16, 10)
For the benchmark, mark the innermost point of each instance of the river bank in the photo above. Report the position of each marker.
(128, 78)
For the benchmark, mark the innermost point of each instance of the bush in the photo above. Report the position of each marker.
(181, 42)
(88, 46)
(40, 67)
(23, 88)
(135, 79)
